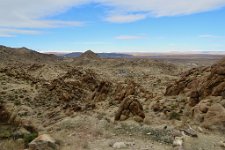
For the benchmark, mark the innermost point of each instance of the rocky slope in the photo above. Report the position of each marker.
(205, 88)
(97, 103)
(23, 54)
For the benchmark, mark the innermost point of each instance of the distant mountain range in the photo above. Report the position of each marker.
(142, 55)
(101, 55)
(21, 54)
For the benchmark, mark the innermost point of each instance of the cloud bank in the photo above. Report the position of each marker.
(23, 14)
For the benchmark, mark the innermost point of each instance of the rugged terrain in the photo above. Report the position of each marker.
(96, 103)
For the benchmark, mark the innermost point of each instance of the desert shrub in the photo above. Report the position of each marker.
(29, 137)
(174, 115)
(17, 102)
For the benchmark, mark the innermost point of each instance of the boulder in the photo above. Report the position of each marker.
(43, 142)
(130, 105)
(119, 145)
(203, 107)
(193, 101)
(199, 111)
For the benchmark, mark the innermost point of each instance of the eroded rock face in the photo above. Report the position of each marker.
(43, 142)
(130, 105)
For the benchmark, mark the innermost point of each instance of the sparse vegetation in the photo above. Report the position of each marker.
(29, 137)
(174, 115)
(75, 100)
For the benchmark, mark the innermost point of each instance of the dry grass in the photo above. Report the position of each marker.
(11, 145)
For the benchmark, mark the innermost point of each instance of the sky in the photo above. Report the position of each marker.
(113, 25)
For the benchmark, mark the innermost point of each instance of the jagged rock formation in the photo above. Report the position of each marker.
(207, 81)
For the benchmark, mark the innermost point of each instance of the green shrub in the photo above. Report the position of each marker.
(29, 137)
(174, 115)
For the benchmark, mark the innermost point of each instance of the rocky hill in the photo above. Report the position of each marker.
(24, 55)
(89, 55)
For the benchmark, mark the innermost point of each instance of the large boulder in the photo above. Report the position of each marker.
(130, 105)
(200, 110)
(44, 142)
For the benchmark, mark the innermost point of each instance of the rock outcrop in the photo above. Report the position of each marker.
(130, 105)
(206, 80)
(205, 87)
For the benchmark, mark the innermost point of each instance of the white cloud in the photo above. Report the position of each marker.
(156, 8)
(129, 37)
(24, 14)
(7, 32)
(125, 18)
(20, 14)
(210, 36)
(165, 7)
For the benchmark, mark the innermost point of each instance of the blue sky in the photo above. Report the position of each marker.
(113, 26)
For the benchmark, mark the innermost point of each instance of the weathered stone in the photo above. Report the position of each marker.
(43, 142)
(178, 141)
(119, 145)
(203, 108)
(193, 101)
